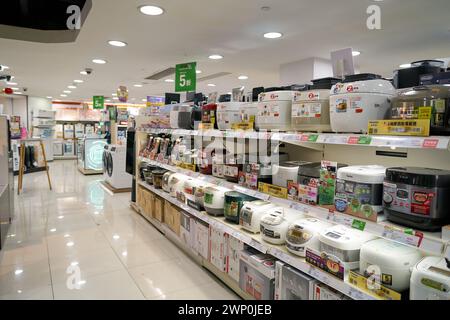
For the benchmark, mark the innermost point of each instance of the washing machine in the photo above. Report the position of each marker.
(106, 159)
(359, 99)
(117, 176)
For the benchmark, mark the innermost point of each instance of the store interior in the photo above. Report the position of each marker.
(256, 150)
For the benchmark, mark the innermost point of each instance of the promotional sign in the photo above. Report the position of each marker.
(122, 94)
(98, 102)
(153, 101)
(185, 77)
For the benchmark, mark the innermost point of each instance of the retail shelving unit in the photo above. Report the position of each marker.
(322, 146)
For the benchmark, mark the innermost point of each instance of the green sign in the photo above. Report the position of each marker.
(313, 138)
(357, 224)
(365, 140)
(98, 102)
(185, 77)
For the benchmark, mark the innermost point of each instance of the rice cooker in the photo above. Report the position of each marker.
(311, 109)
(410, 77)
(251, 214)
(165, 182)
(260, 167)
(157, 178)
(214, 200)
(199, 194)
(186, 118)
(209, 115)
(176, 181)
(304, 233)
(388, 262)
(233, 205)
(233, 167)
(275, 110)
(231, 113)
(275, 223)
(417, 197)
(174, 113)
(205, 163)
(343, 243)
(286, 172)
(357, 100)
(189, 188)
(218, 165)
(359, 190)
(430, 279)
(432, 100)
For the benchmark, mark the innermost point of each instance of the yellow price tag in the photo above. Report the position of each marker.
(425, 112)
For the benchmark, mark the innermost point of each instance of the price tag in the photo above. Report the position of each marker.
(358, 224)
(353, 140)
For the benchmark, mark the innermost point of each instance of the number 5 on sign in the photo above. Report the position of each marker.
(185, 77)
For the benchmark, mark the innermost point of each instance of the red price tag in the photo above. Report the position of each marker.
(304, 138)
(430, 143)
(353, 140)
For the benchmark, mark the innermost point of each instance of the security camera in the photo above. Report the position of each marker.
(88, 70)
(25, 89)
(5, 78)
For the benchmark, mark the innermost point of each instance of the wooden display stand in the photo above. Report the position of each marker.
(22, 162)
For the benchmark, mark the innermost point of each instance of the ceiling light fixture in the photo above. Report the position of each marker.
(67, 91)
(273, 35)
(78, 81)
(215, 57)
(11, 83)
(117, 43)
(151, 10)
(242, 77)
(405, 65)
(49, 97)
(63, 95)
(99, 61)
(71, 87)
(356, 53)
(18, 92)
(84, 73)
(198, 71)
(169, 80)
(18, 271)
(4, 67)
(138, 85)
(211, 85)
(15, 89)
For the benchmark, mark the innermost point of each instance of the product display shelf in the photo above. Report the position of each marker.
(255, 241)
(312, 139)
(427, 242)
(169, 234)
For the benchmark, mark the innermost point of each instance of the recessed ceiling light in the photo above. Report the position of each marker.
(15, 89)
(115, 98)
(356, 53)
(49, 97)
(242, 77)
(211, 85)
(405, 65)
(75, 263)
(84, 73)
(138, 85)
(67, 91)
(70, 244)
(198, 71)
(116, 43)
(215, 57)
(18, 92)
(144, 100)
(78, 81)
(4, 67)
(99, 61)
(114, 94)
(71, 87)
(106, 101)
(273, 35)
(169, 80)
(18, 271)
(11, 83)
(151, 10)
(63, 95)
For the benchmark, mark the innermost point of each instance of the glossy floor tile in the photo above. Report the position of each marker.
(80, 242)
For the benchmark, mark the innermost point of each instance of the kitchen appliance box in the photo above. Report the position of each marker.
(187, 230)
(257, 275)
(202, 239)
(291, 284)
(234, 250)
(218, 248)
(324, 292)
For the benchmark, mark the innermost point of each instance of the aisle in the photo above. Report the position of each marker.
(81, 227)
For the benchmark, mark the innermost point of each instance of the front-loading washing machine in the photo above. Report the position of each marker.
(117, 176)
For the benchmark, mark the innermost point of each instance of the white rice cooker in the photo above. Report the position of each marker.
(286, 172)
(214, 200)
(174, 113)
(251, 214)
(357, 100)
(189, 188)
(430, 279)
(275, 110)
(176, 183)
(275, 224)
(165, 181)
(390, 262)
(359, 189)
(304, 233)
(344, 244)
(230, 113)
(199, 196)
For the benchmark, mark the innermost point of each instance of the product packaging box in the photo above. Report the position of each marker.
(202, 239)
(187, 232)
(218, 248)
(235, 248)
(257, 275)
(324, 292)
(291, 284)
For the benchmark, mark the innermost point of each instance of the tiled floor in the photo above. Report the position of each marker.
(80, 227)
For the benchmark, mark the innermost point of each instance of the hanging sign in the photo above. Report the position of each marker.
(153, 101)
(122, 94)
(98, 102)
(185, 77)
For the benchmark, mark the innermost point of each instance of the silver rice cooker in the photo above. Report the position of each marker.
(286, 172)
(417, 197)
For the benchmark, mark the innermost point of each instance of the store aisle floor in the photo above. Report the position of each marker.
(80, 227)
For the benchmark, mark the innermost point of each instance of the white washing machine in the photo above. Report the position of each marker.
(114, 167)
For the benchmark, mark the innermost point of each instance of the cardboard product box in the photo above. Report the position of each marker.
(257, 275)
(202, 238)
(218, 248)
(172, 217)
(187, 232)
(291, 284)
(324, 292)
(235, 248)
(158, 209)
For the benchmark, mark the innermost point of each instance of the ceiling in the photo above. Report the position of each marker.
(192, 30)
